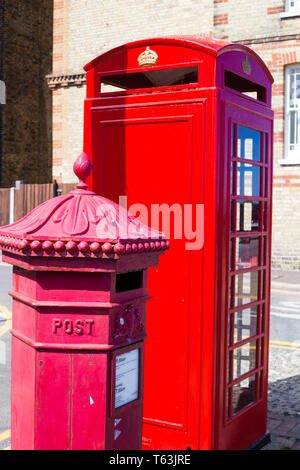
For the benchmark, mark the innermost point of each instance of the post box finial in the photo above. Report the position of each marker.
(82, 169)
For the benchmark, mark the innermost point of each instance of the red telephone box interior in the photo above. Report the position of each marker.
(194, 129)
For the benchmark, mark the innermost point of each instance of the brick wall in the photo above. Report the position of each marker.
(26, 124)
(79, 39)
(83, 29)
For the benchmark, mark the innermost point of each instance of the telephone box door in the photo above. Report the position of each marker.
(155, 157)
(244, 303)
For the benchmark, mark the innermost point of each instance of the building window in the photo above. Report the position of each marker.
(292, 8)
(292, 5)
(292, 114)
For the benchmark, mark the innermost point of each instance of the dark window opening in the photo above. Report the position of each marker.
(244, 86)
(150, 79)
(129, 281)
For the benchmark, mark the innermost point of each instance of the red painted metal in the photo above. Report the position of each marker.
(77, 323)
(171, 144)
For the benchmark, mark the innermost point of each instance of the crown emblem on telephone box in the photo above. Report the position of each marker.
(148, 57)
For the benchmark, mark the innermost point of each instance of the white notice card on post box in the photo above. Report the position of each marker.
(127, 378)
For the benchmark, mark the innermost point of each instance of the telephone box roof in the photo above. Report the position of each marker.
(202, 43)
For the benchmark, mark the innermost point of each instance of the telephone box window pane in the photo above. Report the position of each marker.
(265, 148)
(265, 214)
(262, 320)
(248, 216)
(231, 255)
(232, 216)
(230, 299)
(264, 181)
(247, 252)
(232, 179)
(230, 320)
(248, 180)
(244, 359)
(245, 323)
(243, 394)
(263, 284)
(246, 288)
(249, 143)
(229, 365)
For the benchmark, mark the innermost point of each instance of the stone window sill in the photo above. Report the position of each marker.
(289, 161)
(289, 14)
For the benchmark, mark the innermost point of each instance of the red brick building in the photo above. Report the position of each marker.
(84, 29)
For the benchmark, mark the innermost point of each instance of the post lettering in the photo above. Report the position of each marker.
(56, 324)
(68, 326)
(90, 324)
(79, 325)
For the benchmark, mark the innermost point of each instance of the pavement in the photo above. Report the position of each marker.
(284, 371)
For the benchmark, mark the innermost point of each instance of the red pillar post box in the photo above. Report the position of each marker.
(185, 125)
(79, 316)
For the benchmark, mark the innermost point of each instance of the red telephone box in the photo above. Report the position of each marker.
(186, 123)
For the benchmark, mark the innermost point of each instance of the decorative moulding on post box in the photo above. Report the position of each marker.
(80, 224)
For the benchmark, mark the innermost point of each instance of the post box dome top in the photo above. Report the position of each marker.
(80, 223)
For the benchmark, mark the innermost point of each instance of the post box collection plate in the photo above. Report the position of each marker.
(127, 377)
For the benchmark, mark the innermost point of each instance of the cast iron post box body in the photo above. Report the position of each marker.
(79, 315)
(189, 122)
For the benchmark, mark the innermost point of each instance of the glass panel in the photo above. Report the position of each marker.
(232, 180)
(249, 143)
(229, 365)
(263, 287)
(231, 254)
(245, 324)
(230, 300)
(230, 320)
(247, 252)
(232, 216)
(294, 127)
(264, 251)
(248, 180)
(246, 288)
(262, 352)
(265, 214)
(292, 88)
(244, 359)
(262, 320)
(243, 394)
(297, 91)
(248, 216)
